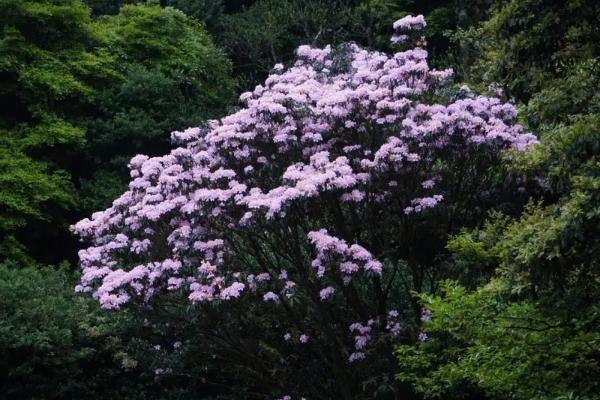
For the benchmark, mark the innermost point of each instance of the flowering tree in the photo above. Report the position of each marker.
(315, 209)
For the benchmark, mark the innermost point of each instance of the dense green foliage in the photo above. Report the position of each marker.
(56, 345)
(533, 330)
(484, 345)
(85, 85)
(179, 80)
(526, 42)
(46, 69)
(81, 98)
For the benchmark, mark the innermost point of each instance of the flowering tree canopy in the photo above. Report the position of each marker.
(311, 202)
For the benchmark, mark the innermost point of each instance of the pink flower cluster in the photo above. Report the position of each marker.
(422, 203)
(348, 259)
(362, 335)
(393, 327)
(407, 25)
(410, 23)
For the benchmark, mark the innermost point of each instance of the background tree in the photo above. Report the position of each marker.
(55, 344)
(527, 42)
(209, 12)
(48, 69)
(169, 74)
(82, 98)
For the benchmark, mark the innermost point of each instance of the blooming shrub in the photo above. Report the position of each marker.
(311, 202)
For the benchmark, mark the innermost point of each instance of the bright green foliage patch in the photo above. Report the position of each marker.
(81, 97)
(484, 344)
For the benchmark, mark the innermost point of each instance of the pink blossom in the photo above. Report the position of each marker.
(270, 296)
(326, 293)
(360, 341)
(419, 204)
(263, 277)
(426, 315)
(352, 258)
(394, 328)
(232, 291)
(357, 356)
(428, 184)
(410, 23)
(358, 327)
